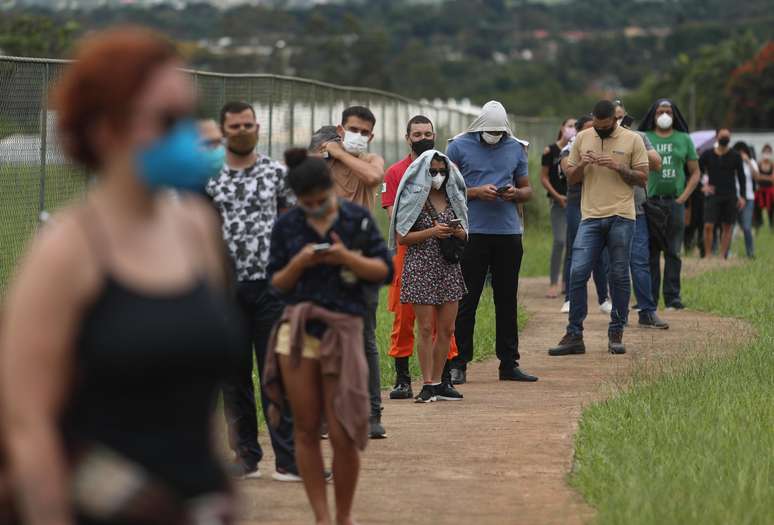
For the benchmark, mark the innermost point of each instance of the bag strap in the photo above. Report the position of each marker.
(431, 210)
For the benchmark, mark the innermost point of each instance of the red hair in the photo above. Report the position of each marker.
(110, 69)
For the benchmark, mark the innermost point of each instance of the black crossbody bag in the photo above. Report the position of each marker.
(452, 247)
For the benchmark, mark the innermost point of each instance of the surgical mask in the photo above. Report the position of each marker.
(724, 141)
(604, 133)
(242, 144)
(664, 121)
(217, 157)
(569, 132)
(437, 181)
(319, 212)
(489, 138)
(177, 160)
(355, 143)
(421, 146)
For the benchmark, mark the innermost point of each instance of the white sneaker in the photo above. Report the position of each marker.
(606, 307)
(286, 476)
(566, 307)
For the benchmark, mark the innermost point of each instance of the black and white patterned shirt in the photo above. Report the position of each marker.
(248, 201)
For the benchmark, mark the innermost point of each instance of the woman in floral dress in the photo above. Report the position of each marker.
(431, 284)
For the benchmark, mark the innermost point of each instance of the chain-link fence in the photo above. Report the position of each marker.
(36, 178)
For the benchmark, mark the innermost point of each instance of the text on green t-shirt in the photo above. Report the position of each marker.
(675, 150)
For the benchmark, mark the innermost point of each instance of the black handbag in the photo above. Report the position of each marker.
(452, 247)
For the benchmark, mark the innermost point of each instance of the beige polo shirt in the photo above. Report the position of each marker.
(351, 187)
(604, 193)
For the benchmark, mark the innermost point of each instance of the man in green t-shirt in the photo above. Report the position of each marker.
(667, 188)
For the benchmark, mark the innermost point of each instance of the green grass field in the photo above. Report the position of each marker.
(695, 443)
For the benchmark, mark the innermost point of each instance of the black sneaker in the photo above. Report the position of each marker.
(426, 395)
(570, 344)
(446, 392)
(676, 305)
(615, 343)
(402, 391)
(375, 428)
(458, 376)
(652, 320)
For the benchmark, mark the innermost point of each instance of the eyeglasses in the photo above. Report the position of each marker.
(434, 171)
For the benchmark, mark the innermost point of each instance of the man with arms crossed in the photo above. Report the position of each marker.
(356, 176)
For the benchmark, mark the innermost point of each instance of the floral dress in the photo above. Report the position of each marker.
(427, 277)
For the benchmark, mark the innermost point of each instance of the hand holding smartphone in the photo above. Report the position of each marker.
(455, 223)
(321, 247)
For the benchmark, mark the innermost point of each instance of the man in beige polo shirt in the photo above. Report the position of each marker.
(357, 174)
(609, 160)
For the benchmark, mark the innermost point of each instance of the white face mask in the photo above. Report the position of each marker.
(490, 138)
(664, 121)
(355, 143)
(437, 181)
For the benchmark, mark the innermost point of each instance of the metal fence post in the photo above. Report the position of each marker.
(271, 112)
(292, 123)
(384, 130)
(43, 141)
(311, 109)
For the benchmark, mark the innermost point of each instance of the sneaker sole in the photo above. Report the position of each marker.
(642, 325)
(423, 401)
(616, 352)
(445, 398)
(575, 351)
(251, 475)
(377, 436)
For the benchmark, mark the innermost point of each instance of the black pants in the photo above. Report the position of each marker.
(675, 230)
(500, 254)
(261, 310)
(694, 232)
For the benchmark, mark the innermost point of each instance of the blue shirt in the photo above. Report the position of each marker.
(500, 164)
(323, 284)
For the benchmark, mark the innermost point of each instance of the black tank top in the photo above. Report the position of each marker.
(147, 372)
(765, 183)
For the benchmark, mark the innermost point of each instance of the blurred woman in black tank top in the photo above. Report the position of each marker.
(116, 333)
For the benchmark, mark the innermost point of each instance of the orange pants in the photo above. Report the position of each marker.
(402, 337)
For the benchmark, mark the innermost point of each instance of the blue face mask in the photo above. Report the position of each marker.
(177, 160)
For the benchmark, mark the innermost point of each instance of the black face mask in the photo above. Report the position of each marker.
(421, 146)
(604, 133)
(724, 141)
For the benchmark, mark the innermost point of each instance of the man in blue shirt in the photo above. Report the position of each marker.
(494, 166)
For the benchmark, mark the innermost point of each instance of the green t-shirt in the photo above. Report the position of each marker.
(675, 150)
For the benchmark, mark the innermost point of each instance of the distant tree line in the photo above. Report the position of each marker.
(538, 58)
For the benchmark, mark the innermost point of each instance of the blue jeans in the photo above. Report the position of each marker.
(745, 221)
(600, 270)
(640, 266)
(594, 235)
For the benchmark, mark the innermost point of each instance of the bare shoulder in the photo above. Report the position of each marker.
(196, 209)
(546, 150)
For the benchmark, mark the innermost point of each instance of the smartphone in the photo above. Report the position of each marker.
(503, 189)
(321, 247)
(455, 223)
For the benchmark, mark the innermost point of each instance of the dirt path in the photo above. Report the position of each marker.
(502, 455)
